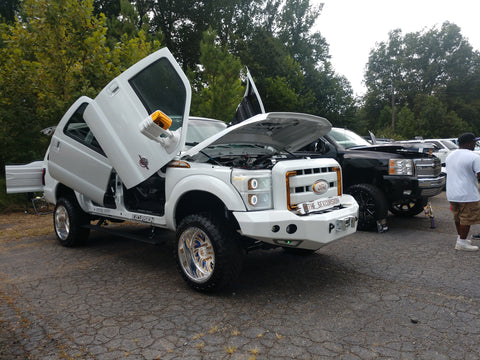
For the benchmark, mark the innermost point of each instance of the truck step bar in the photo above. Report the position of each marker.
(151, 235)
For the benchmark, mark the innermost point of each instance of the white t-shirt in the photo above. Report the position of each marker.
(462, 183)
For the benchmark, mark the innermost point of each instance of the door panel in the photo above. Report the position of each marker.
(119, 112)
(76, 158)
(24, 178)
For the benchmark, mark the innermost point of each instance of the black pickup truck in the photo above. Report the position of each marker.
(381, 177)
(394, 177)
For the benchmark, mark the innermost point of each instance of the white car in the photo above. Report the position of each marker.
(441, 147)
(477, 145)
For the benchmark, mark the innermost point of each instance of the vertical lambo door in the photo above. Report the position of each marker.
(139, 120)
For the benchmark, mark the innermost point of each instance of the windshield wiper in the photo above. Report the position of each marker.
(209, 157)
(292, 154)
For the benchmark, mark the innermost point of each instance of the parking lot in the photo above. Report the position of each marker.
(404, 294)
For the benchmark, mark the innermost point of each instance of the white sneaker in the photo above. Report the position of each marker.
(465, 245)
(469, 241)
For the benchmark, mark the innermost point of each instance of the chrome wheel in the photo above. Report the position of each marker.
(196, 255)
(62, 222)
(408, 207)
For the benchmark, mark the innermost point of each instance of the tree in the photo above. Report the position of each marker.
(54, 53)
(218, 86)
(432, 63)
(8, 9)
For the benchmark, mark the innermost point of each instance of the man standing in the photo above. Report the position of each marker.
(463, 172)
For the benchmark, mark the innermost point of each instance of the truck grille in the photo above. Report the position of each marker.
(300, 184)
(427, 167)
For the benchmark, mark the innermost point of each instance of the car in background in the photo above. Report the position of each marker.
(440, 147)
(381, 177)
(477, 145)
(201, 128)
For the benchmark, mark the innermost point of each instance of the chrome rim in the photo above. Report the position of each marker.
(403, 206)
(62, 222)
(196, 254)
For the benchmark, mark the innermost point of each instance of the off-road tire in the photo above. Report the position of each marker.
(372, 205)
(207, 252)
(68, 221)
(408, 207)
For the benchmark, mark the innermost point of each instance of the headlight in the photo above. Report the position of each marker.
(400, 167)
(255, 187)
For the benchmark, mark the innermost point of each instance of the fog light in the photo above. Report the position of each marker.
(291, 229)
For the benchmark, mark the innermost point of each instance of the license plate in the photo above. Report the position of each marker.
(317, 205)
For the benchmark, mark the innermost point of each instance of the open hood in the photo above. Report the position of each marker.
(281, 130)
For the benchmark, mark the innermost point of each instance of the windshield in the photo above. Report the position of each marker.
(201, 129)
(449, 144)
(347, 138)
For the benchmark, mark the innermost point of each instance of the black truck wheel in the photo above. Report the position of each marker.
(372, 205)
(207, 252)
(68, 221)
(408, 207)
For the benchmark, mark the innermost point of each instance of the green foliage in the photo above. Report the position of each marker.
(8, 8)
(405, 123)
(434, 74)
(219, 89)
(55, 52)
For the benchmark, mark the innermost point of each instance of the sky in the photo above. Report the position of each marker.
(353, 27)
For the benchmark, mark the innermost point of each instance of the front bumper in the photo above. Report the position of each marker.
(400, 187)
(432, 186)
(312, 231)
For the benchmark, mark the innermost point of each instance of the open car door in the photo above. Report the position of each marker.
(139, 121)
(136, 142)
(251, 103)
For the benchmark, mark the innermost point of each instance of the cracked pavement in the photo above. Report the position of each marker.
(404, 294)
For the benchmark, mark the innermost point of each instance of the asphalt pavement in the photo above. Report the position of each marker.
(403, 294)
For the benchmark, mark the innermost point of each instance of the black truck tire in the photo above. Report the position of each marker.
(207, 252)
(372, 205)
(68, 221)
(408, 207)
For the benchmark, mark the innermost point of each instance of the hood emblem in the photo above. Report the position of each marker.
(143, 162)
(320, 187)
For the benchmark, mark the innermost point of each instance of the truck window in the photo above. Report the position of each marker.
(78, 130)
(159, 87)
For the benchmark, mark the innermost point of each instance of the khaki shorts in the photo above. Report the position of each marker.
(466, 213)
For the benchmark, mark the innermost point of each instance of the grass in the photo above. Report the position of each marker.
(19, 225)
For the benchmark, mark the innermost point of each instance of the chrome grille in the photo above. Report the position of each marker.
(301, 184)
(427, 167)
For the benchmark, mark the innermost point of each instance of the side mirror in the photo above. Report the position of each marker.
(322, 146)
(156, 125)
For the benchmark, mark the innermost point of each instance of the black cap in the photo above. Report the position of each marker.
(467, 138)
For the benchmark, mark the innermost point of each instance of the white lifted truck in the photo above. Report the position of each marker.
(121, 156)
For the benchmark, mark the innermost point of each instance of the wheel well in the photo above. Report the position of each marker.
(64, 191)
(355, 176)
(195, 202)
